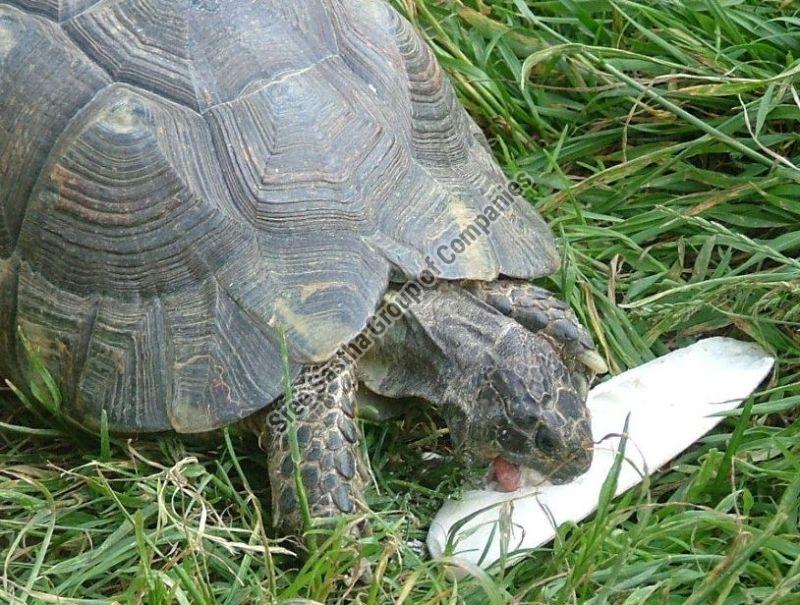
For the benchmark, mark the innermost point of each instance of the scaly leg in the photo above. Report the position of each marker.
(539, 310)
(333, 473)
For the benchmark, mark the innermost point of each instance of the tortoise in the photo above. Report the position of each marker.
(201, 197)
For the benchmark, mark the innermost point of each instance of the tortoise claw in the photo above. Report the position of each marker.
(594, 361)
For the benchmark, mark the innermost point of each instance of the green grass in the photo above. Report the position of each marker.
(663, 138)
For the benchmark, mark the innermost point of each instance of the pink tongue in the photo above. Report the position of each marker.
(506, 474)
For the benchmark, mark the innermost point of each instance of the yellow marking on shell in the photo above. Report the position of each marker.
(39, 341)
(8, 39)
(193, 360)
(310, 289)
(322, 337)
(126, 113)
(478, 256)
(185, 417)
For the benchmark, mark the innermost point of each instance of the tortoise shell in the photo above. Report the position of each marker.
(184, 181)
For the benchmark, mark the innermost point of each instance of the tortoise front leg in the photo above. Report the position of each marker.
(332, 471)
(539, 310)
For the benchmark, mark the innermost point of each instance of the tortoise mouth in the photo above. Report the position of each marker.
(507, 475)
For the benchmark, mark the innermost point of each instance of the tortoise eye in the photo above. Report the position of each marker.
(547, 440)
(511, 440)
(522, 413)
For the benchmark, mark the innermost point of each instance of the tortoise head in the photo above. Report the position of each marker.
(526, 409)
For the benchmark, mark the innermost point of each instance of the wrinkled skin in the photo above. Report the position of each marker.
(509, 381)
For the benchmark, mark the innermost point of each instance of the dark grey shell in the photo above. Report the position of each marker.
(183, 180)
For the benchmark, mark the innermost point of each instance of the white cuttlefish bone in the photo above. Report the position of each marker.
(669, 403)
